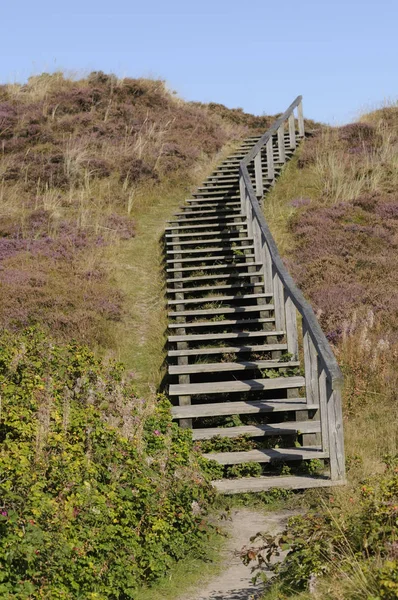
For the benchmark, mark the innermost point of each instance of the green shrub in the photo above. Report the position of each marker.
(340, 545)
(99, 490)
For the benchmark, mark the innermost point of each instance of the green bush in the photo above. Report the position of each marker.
(99, 490)
(333, 544)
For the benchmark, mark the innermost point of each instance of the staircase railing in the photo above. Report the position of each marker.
(323, 376)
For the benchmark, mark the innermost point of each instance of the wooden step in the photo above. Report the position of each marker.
(225, 409)
(227, 387)
(212, 249)
(225, 217)
(217, 240)
(216, 205)
(246, 485)
(228, 350)
(221, 367)
(207, 288)
(230, 335)
(218, 224)
(227, 266)
(220, 310)
(203, 259)
(286, 428)
(221, 323)
(219, 276)
(208, 299)
(221, 199)
(188, 210)
(267, 456)
(217, 231)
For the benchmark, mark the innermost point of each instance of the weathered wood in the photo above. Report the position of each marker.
(336, 437)
(224, 310)
(291, 327)
(221, 367)
(292, 131)
(225, 387)
(212, 267)
(229, 350)
(266, 456)
(270, 160)
(224, 323)
(300, 119)
(259, 175)
(280, 321)
(323, 407)
(281, 144)
(285, 428)
(231, 335)
(238, 408)
(263, 484)
(207, 299)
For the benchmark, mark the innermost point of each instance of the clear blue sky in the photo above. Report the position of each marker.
(342, 55)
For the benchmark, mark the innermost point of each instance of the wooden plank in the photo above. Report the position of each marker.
(211, 249)
(263, 484)
(281, 144)
(238, 265)
(228, 286)
(292, 132)
(266, 456)
(278, 300)
(231, 335)
(310, 367)
(211, 241)
(291, 327)
(300, 119)
(258, 169)
(228, 350)
(247, 385)
(199, 259)
(207, 299)
(224, 323)
(219, 276)
(221, 409)
(336, 437)
(321, 398)
(286, 428)
(221, 367)
(224, 310)
(270, 160)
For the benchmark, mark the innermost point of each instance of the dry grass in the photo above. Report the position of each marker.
(82, 161)
(334, 214)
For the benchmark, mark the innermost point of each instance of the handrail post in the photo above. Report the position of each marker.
(270, 160)
(258, 170)
(281, 144)
(291, 327)
(242, 192)
(292, 131)
(336, 437)
(300, 119)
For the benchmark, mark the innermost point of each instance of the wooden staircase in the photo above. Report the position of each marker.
(244, 344)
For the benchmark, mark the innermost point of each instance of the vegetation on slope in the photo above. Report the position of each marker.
(335, 214)
(100, 491)
(78, 161)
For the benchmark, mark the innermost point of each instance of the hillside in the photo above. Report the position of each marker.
(103, 493)
(334, 213)
(90, 170)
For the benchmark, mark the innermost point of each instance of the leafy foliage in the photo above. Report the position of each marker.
(331, 543)
(99, 490)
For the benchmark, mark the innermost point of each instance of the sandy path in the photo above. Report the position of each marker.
(234, 581)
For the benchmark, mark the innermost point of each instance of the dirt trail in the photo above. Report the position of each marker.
(234, 580)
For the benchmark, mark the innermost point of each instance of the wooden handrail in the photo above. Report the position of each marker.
(304, 308)
(323, 376)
